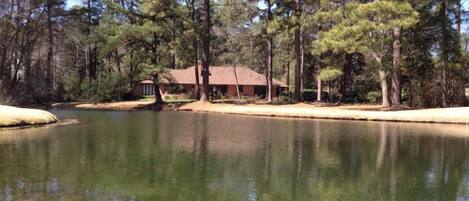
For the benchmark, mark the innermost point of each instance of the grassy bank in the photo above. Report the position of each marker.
(13, 116)
(351, 112)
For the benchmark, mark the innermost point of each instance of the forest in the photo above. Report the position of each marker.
(391, 52)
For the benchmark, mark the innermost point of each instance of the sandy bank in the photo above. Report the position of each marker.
(125, 105)
(145, 104)
(13, 116)
(365, 113)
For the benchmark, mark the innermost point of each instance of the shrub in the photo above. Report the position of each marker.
(373, 96)
(286, 97)
(309, 95)
(108, 87)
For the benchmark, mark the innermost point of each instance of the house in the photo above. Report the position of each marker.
(222, 80)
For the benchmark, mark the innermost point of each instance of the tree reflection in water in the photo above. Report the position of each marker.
(190, 156)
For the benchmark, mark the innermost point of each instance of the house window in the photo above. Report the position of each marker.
(241, 89)
(260, 91)
(147, 89)
(223, 89)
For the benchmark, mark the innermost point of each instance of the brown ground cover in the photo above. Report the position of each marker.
(351, 112)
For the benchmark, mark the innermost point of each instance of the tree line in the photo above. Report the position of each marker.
(393, 52)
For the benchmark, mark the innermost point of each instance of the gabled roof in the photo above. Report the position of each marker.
(219, 75)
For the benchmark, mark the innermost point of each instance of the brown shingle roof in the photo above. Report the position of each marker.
(219, 75)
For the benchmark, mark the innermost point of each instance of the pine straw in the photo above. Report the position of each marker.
(124, 105)
(365, 113)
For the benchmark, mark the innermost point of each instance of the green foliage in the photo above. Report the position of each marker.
(98, 48)
(330, 73)
(151, 69)
(310, 95)
(107, 88)
(286, 97)
(374, 97)
(362, 27)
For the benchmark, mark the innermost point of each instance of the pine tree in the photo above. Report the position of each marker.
(365, 28)
(206, 52)
(298, 55)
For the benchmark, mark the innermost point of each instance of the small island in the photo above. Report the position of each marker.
(14, 116)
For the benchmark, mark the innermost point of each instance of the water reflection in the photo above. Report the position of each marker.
(187, 156)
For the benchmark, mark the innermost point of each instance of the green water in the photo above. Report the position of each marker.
(205, 157)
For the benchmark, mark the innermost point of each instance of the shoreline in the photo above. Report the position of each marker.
(116, 106)
(351, 112)
(62, 122)
(458, 115)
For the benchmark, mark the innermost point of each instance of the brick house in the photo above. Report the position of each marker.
(222, 82)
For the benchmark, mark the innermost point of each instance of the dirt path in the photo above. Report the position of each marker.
(352, 112)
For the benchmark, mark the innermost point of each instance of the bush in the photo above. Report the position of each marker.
(373, 96)
(108, 87)
(286, 97)
(310, 95)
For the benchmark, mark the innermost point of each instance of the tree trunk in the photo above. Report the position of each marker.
(196, 71)
(81, 68)
(411, 91)
(298, 96)
(173, 60)
(346, 80)
(156, 89)
(3, 53)
(269, 56)
(459, 11)
(288, 75)
(396, 71)
(302, 65)
(28, 71)
(155, 49)
(195, 47)
(50, 52)
(444, 82)
(269, 70)
(384, 86)
(206, 54)
(90, 62)
(319, 82)
(156, 81)
(444, 56)
(118, 62)
(237, 83)
(266, 75)
(173, 38)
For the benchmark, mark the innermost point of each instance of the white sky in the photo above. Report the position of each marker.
(261, 5)
(71, 3)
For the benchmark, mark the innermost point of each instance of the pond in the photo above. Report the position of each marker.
(210, 157)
